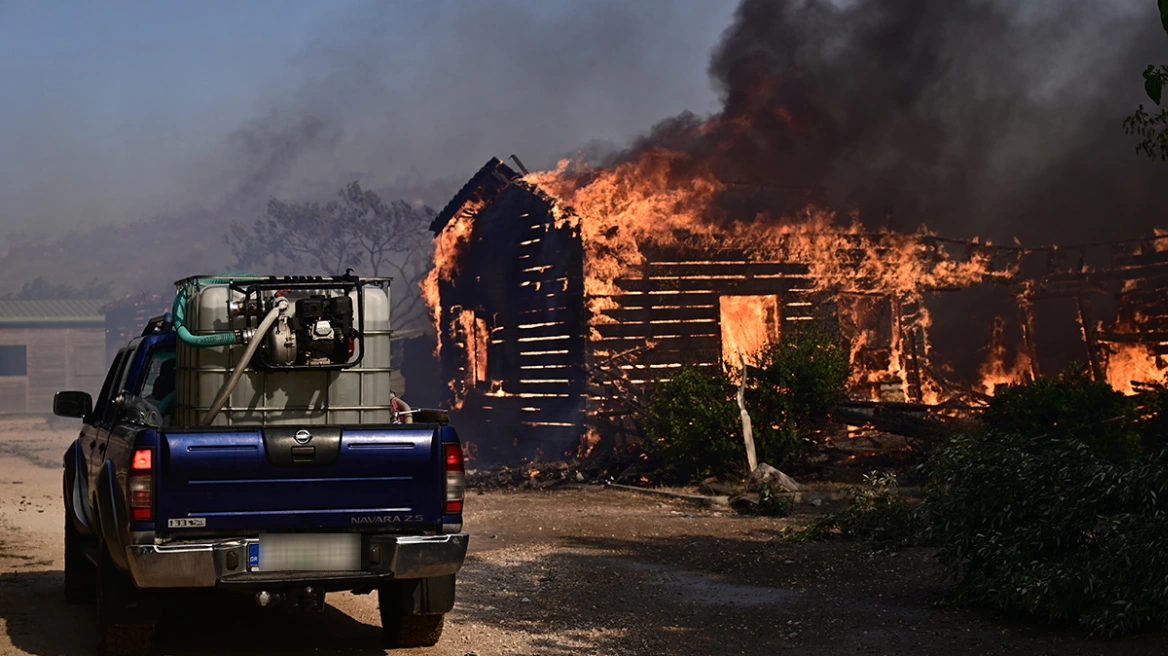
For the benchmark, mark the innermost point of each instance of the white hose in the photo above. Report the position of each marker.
(252, 346)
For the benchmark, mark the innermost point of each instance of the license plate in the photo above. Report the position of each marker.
(187, 522)
(301, 552)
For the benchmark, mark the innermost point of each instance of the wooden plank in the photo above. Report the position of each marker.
(549, 271)
(13, 395)
(1110, 275)
(654, 314)
(1145, 259)
(542, 406)
(748, 269)
(13, 336)
(571, 357)
(555, 313)
(535, 329)
(631, 301)
(720, 286)
(1129, 338)
(656, 330)
(528, 298)
(543, 377)
(676, 350)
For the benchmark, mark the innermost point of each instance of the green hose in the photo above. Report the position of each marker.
(178, 318)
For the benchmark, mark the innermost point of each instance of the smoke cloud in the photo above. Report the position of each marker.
(408, 98)
(986, 118)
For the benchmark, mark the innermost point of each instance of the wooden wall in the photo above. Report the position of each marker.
(57, 359)
(512, 330)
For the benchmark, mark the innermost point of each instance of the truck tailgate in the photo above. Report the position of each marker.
(289, 478)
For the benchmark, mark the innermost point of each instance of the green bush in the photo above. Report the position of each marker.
(1153, 408)
(1071, 406)
(693, 423)
(877, 517)
(1049, 512)
(1060, 532)
(800, 377)
(693, 419)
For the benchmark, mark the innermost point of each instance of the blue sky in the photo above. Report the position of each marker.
(110, 112)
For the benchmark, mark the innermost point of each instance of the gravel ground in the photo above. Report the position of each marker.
(583, 570)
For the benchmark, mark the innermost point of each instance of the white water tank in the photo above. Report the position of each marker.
(357, 395)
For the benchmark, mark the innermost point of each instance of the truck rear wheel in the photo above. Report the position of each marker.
(80, 574)
(122, 631)
(403, 627)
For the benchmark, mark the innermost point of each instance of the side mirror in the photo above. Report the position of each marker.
(72, 404)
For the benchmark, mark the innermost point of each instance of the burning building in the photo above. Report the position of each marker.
(559, 297)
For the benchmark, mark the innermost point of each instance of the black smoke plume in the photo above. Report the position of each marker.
(975, 118)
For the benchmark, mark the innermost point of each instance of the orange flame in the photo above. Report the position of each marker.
(1128, 363)
(994, 371)
(645, 202)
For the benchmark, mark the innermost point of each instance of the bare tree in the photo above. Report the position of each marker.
(357, 230)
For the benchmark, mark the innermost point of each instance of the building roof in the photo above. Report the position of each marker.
(51, 312)
(484, 186)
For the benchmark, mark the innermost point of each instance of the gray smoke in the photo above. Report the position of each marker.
(407, 98)
(987, 118)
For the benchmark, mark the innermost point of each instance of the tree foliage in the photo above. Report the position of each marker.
(356, 230)
(40, 289)
(1049, 511)
(694, 423)
(1073, 407)
(1152, 128)
(1052, 530)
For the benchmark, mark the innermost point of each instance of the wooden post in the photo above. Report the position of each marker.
(1026, 321)
(747, 432)
(1086, 322)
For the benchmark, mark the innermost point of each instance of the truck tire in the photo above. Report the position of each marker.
(119, 632)
(401, 626)
(80, 574)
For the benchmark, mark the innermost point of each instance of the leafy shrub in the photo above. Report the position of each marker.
(1154, 417)
(1060, 532)
(799, 377)
(1071, 406)
(694, 421)
(877, 518)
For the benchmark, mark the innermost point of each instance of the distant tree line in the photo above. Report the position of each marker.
(356, 230)
(42, 290)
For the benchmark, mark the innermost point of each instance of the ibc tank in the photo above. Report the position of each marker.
(358, 395)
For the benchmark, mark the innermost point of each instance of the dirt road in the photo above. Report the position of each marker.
(580, 571)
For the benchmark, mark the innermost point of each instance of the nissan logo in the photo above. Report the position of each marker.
(302, 437)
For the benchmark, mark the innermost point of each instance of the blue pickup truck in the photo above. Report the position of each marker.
(247, 441)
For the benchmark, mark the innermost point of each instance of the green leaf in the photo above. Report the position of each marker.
(1153, 81)
(1164, 14)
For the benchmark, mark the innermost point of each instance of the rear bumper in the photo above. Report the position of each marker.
(225, 562)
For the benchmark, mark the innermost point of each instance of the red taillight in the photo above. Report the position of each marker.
(143, 459)
(454, 458)
(455, 478)
(140, 485)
